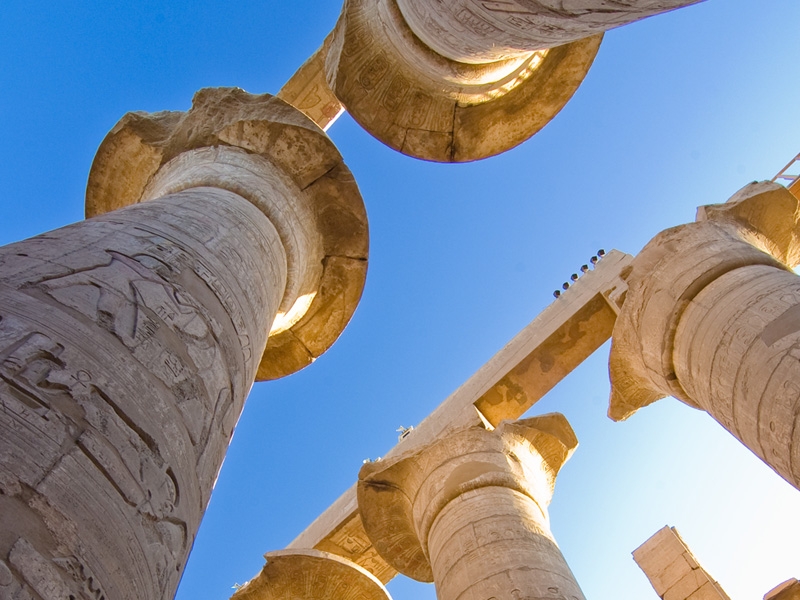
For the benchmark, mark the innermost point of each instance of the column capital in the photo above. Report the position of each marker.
(145, 155)
(766, 215)
(399, 499)
(788, 590)
(431, 107)
(759, 225)
(311, 575)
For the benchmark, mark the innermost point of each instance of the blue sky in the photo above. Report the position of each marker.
(677, 111)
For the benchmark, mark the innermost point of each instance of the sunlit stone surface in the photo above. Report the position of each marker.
(128, 342)
(788, 590)
(468, 79)
(469, 511)
(311, 575)
(478, 31)
(673, 570)
(712, 317)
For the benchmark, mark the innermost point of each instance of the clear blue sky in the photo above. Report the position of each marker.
(678, 111)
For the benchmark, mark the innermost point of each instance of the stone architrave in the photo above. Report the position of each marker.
(469, 511)
(712, 317)
(129, 341)
(673, 570)
(307, 90)
(311, 575)
(466, 79)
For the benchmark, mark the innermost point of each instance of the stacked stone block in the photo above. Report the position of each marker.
(673, 570)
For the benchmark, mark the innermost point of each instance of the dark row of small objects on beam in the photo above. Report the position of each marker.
(584, 269)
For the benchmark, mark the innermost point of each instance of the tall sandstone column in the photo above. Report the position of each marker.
(469, 511)
(463, 80)
(128, 342)
(712, 317)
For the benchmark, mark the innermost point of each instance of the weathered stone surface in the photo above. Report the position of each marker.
(464, 80)
(766, 216)
(311, 575)
(795, 188)
(308, 91)
(327, 203)
(475, 31)
(788, 590)
(469, 511)
(126, 352)
(428, 106)
(710, 317)
(673, 570)
(129, 342)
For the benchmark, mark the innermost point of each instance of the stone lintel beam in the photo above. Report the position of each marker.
(672, 569)
(543, 353)
(788, 590)
(426, 105)
(311, 575)
(307, 90)
(324, 229)
(469, 512)
(476, 31)
(710, 318)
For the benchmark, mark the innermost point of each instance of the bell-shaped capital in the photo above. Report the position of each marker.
(399, 499)
(319, 215)
(757, 226)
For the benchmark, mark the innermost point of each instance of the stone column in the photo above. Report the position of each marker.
(466, 79)
(426, 105)
(712, 317)
(672, 569)
(128, 342)
(477, 31)
(469, 511)
(311, 575)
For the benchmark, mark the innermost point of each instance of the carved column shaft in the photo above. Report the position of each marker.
(127, 346)
(476, 31)
(494, 541)
(737, 355)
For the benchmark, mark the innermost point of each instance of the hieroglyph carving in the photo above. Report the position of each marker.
(474, 31)
(127, 346)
